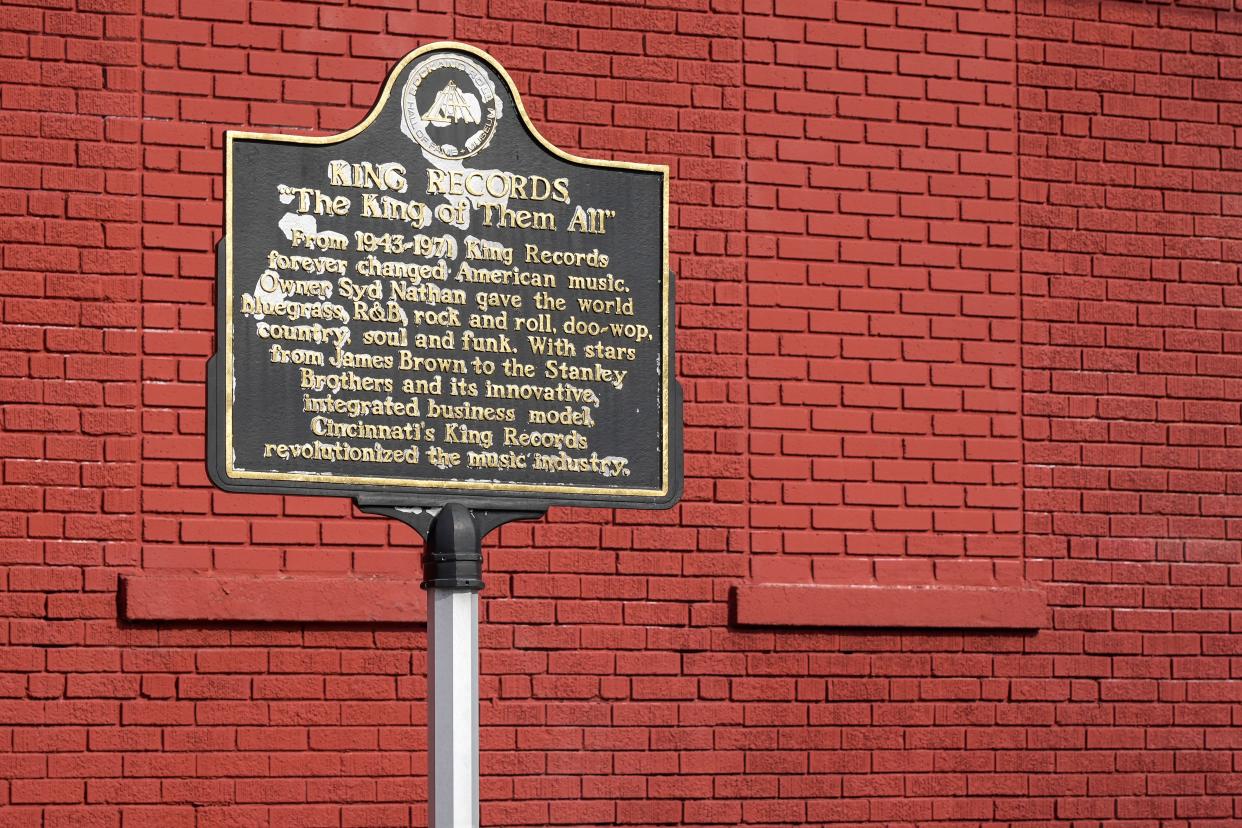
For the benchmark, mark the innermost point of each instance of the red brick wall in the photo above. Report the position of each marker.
(1132, 353)
(882, 305)
(959, 304)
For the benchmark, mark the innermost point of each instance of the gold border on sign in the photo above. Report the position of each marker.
(666, 361)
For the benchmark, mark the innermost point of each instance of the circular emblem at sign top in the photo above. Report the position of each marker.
(449, 106)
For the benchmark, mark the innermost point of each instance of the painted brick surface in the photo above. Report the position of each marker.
(958, 306)
(882, 305)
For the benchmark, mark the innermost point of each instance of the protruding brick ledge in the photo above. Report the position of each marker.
(214, 598)
(835, 605)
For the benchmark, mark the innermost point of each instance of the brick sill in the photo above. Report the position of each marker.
(326, 600)
(926, 607)
(389, 600)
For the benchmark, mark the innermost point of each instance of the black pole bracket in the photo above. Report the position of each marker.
(453, 556)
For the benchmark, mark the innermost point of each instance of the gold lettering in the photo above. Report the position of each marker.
(497, 184)
(524, 219)
(386, 176)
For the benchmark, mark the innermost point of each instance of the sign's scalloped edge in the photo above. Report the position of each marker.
(382, 100)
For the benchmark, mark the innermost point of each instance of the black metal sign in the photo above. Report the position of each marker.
(439, 304)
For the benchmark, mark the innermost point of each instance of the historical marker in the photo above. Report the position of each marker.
(438, 305)
(445, 317)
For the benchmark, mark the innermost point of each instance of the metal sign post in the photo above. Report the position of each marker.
(453, 577)
(453, 700)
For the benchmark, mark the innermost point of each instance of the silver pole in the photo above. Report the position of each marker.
(453, 576)
(453, 726)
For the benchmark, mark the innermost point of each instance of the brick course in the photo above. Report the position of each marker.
(958, 300)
